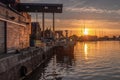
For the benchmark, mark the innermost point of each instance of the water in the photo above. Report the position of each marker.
(90, 61)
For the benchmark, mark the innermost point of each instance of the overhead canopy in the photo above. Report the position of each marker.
(8, 1)
(38, 7)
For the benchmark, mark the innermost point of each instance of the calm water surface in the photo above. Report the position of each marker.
(90, 61)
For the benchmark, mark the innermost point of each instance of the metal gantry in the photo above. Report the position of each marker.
(42, 8)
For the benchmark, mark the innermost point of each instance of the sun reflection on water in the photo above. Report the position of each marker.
(86, 51)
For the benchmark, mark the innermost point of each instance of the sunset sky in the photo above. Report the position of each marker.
(98, 16)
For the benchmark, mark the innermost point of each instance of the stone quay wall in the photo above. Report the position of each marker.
(16, 66)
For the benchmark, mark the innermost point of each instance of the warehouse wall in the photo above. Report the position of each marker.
(18, 29)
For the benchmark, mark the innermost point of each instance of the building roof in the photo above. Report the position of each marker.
(40, 7)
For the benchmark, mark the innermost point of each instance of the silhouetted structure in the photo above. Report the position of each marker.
(59, 34)
(88, 38)
(35, 31)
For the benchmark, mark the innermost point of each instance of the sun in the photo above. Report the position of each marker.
(85, 32)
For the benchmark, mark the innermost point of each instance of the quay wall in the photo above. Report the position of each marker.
(16, 66)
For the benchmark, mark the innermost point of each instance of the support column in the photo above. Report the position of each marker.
(54, 25)
(43, 22)
(36, 34)
(36, 16)
(53, 22)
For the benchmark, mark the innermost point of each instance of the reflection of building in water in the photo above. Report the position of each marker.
(65, 55)
(54, 74)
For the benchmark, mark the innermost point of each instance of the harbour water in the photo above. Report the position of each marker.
(90, 61)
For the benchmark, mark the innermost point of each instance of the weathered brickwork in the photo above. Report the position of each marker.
(18, 27)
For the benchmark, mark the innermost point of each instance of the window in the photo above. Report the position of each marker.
(2, 37)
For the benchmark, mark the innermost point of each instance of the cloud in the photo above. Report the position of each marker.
(104, 12)
(92, 10)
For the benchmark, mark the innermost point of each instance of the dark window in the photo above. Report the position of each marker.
(2, 37)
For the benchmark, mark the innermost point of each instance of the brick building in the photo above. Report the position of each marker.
(15, 27)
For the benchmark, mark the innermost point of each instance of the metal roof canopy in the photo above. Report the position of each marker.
(39, 7)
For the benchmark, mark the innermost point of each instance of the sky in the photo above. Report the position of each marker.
(97, 15)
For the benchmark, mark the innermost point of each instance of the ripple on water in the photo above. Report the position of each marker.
(90, 61)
